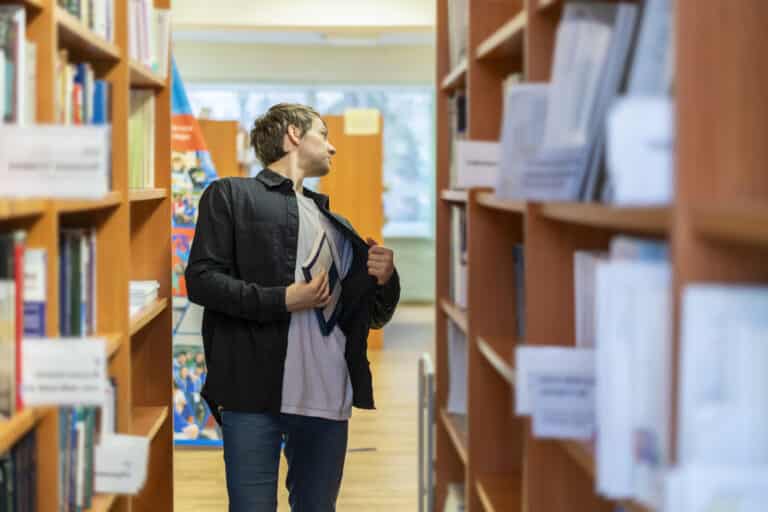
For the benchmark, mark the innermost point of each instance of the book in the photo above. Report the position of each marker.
(320, 259)
(12, 43)
(7, 327)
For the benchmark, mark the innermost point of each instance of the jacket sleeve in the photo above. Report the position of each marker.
(209, 273)
(385, 302)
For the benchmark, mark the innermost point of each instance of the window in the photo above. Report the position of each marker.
(408, 113)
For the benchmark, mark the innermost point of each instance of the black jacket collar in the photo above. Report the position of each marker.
(273, 180)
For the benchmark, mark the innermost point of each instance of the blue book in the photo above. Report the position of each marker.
(34, 292)
(100, 102)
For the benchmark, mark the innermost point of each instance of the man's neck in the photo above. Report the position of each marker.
(289, 168)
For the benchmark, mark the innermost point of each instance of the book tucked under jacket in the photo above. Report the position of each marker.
(243, 258)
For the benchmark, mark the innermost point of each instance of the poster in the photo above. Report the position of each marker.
(191, 171)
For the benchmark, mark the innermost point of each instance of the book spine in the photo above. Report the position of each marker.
(34, 292)
(19, 242)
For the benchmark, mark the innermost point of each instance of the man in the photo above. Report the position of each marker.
(272, 374)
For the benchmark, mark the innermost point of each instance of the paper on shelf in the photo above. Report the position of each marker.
(536, 361)
(477, 163)
(563, 406)
(64, 371)
(121, 464)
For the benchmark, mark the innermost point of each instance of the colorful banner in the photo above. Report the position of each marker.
(191, 171)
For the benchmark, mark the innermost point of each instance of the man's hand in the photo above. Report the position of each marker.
(315, 294)
(381, 262)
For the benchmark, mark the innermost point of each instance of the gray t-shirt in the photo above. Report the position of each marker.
(316, 380)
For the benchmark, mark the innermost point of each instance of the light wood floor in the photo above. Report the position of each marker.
(383, 475)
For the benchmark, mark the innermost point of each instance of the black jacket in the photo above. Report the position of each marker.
(243, 258)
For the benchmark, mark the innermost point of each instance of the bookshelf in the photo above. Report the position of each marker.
(716, 226)
(133, 234)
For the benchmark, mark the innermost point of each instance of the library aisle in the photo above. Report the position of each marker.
(380, 472)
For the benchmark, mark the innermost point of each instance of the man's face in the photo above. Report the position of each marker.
(315, 152)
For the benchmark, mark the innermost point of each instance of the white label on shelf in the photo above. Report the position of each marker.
(121, 464)
(55, 161)
(64, 371)
(477, 163)
(563, 406)
(547, 360)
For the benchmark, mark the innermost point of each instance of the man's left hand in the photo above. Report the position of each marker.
(381, 262)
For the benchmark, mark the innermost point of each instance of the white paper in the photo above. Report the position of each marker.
(584, 277)
(457, 369)
(717, 489)
(121, 464)
(64, 372)
(547, 360)
(640, 153)
(563, 406)
(724, 375)
(477, 163)
(55, 161)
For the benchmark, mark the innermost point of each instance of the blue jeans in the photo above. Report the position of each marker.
(315, 449)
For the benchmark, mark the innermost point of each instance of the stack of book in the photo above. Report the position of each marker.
(77, 431)
(77, 284)
(80, 98)
(150, 35)
(18, 476)
(97, 15)
(141, 140)
(143, 293)
(18, 67)
(12, 247)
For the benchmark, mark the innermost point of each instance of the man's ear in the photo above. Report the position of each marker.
(294, 134)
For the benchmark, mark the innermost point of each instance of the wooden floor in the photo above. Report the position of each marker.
(381, 467)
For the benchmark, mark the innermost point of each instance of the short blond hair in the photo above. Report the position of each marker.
(269, 130)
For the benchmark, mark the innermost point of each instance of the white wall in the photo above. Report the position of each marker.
(357, 14)
(207, 62)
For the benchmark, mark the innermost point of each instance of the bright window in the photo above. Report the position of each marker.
(408, 112)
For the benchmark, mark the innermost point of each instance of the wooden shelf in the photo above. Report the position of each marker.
(111, 200)
(102, 503)
(114, 340)
(500, 352)
(143, 77)
(147, 194)
(505, 42)
(36, 5)
(13, 430)
(456, 425)
(12, 209)
(548, 4)
(457, 78)
(148, 420)
(500, 492)
(81, 42)
(646, 220)
(742, 223)
(147, 314)
(581, 454)
(457, 315)
(489, 200)
(455, 196)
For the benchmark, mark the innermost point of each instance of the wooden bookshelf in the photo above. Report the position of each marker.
(102, 503)
(489, 200)
(457, 315)
(81, 42)
(129, 227)
(743, 223)
(716, 227)
(499, 492)
(148, 313)
(499, 351)
(15, 428)
(507, 41)
(457, 78)
(456, 425)
(642, 220)
(143, 77)
(111, 200)
(12, 209)
(147, 194)
(454, 196)
(147, 421)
